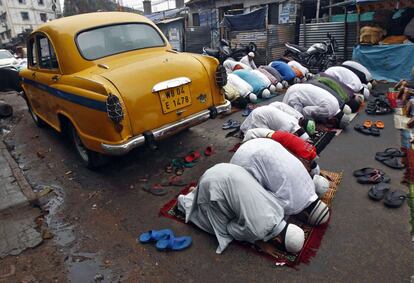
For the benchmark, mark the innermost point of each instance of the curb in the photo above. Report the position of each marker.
(18, 174)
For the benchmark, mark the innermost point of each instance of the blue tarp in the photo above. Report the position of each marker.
(387, 62)
(249, 21)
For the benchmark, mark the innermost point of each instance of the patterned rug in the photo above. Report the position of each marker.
(313, 235)
(322, 138)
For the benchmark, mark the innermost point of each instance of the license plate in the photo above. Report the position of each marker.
(175, 98)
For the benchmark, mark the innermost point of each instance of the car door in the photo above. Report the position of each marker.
(47, 76)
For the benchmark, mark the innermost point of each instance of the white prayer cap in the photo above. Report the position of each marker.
(252, 97)
(251, 54)
(285, 83)
(347, 110)
(321, 185)
(272, 88)
(315, 171)
(294, 238)
(365, 92)
(279, 86)
(359, 97)
(345, 120)
(266, 93)
(305, 136)
(319, 214)
(369, 85)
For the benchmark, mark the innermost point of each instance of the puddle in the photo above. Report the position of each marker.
(81, 267)
(87, 267)
(64, 233)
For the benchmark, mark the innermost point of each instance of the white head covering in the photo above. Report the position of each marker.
(321, 185)
(279, 86)
(294, 238)
(345, 120)
(266, 93)
(272, 88)
(251, 54)
(347, 110)
(319, 214)
(359, 97)
(366, 92)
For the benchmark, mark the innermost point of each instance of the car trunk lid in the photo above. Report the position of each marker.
(159, 88)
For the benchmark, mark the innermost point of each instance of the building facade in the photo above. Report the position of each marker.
(19, 17)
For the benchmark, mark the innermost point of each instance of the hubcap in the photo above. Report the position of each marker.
(79, 146)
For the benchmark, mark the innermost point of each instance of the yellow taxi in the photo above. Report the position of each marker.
(113, 82)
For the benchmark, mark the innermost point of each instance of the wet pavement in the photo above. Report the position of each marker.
(96, 216)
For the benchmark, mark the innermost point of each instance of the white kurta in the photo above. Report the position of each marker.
(278, 171)
(241, 85)
(287, 109)
(299, 66)
(231, 204)
(360, 68)
(245, 60)
(346, 76)
(269, 117)
(312, 101)
(263, 77)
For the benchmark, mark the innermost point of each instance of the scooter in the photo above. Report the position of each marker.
(318, 57)
(225, 51)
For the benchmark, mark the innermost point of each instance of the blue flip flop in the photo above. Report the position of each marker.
(175, 244)
(155, 235)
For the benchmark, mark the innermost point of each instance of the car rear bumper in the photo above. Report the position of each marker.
(165, 131)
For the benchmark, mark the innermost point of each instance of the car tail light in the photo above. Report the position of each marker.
(114, 108)
(221, 76)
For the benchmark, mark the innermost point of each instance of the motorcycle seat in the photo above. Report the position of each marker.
(212, 52)
(300, 48)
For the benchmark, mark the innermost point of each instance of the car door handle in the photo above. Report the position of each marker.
(55, 78)
(33, 75)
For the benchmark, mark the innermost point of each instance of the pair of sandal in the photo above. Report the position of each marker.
(392, 199)
(165, 240)
(231, 124)
(179, 164)
(161, 189)
(378, 107)
(370, 175)
(370, 128)
(249, 109)
(391, 158)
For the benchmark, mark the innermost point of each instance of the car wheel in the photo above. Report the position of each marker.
(91, 159)
(36, 119)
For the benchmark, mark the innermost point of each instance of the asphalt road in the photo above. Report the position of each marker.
(97, 215)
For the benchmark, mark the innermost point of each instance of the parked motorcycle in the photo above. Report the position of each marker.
(318, 57)
(225, 51)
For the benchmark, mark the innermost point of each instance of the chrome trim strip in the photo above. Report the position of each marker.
(123, 148)
(171, 83)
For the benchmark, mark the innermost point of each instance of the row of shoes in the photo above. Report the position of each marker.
(379, 106)
(370, 128)
(381, 188)
(391, 157)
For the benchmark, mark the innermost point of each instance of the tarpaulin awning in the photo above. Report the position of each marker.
(248, 21)
(372, 5)
(387, 62)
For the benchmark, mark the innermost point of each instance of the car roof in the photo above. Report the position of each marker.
(62, 34)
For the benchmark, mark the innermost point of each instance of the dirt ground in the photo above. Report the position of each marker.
(96, 216)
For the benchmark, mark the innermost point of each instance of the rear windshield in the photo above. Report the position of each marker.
(105, 41)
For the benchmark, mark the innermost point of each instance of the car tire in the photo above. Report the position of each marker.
(36, 119)
(89, 158)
